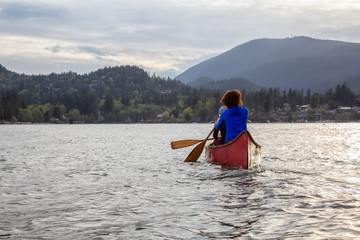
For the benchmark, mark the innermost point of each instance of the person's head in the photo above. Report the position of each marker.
(232, 98)
(222, 109)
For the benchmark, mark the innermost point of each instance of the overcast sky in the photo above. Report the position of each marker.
(164, 37)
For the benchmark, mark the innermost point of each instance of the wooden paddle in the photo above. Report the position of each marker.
(196, 152)
(185, 143)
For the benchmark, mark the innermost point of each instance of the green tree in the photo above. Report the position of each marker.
(11, 104)
(125, 100)
(74, 114)
(21, 116)
(38, 115)
(198, 107)
(57, 113)
(308, 97)
(188, 114)
(110, 117)
(1, 110)
(47, 116)
(176, 111)
(28, 115)
(90, 104)
(268, 103)
(109, 104)
(315, 100)
(212, 107)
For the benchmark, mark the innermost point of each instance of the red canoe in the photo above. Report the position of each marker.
(243, 152)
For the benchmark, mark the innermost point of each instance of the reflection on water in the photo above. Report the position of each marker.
(125, 182)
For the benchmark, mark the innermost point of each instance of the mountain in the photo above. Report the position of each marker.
(299, 63)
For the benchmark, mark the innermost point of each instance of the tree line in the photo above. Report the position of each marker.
(128, 94)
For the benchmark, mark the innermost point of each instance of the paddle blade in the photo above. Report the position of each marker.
(184, 143)
(196, 152)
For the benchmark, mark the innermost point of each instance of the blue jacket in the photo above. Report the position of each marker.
(235, 120)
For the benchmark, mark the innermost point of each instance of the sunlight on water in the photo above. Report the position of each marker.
(125, 182)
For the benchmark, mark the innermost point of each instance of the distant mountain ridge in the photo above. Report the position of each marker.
(298, 63)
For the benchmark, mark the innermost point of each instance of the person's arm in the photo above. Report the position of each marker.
(220, 123)
(215, 134)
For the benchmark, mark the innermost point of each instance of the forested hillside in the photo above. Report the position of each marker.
(114, 94)
(127, 94)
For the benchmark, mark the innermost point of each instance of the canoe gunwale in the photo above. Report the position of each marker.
(229, 143)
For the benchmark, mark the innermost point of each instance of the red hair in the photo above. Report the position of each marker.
(232, 98)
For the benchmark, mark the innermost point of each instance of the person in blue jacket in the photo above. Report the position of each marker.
(235, 117)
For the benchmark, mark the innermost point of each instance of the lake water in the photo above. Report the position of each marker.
(125, 182)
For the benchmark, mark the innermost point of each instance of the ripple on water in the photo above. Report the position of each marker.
(124, 181)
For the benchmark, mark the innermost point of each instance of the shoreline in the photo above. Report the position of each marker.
(81, 123)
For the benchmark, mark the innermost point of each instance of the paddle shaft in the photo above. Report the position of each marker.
(185, 143)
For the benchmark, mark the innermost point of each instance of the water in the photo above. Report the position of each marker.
(125, 182)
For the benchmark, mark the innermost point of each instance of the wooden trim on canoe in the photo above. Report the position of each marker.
(227, 144)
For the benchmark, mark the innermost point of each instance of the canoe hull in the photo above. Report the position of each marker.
(242, 152)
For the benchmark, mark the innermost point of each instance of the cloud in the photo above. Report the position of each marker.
(163, 36)
(21, 11)
(54, 49)
(94, 50)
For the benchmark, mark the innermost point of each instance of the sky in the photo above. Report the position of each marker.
(164, 37)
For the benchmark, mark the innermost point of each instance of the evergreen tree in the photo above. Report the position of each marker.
(1, 110)
(57, 113)
(109, 104)
(308, 97)
(268, 103)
